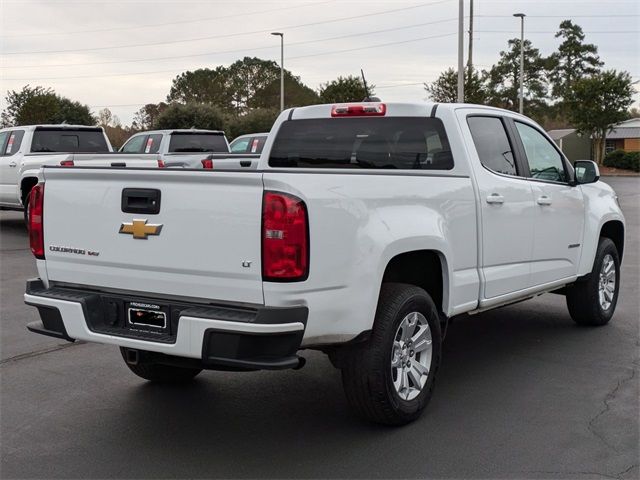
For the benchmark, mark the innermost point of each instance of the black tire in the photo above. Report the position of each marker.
(366, 368)
(156, 372)
(25, 204)
(583, 297)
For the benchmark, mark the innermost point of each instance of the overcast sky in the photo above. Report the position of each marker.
(122, 54)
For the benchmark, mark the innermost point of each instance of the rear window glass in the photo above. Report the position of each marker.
(407, 143)
(68, 140)
(197, 142)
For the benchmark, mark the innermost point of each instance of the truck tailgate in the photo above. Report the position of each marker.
(208, 246)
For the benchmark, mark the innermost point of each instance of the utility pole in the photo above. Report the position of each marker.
(461, 51)
(470, 59)
(521, 95)
(281, 35)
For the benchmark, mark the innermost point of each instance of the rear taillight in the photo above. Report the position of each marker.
(285, 238)
(359, 110)
(207, 164)
(161, 163)
(66, 163)
(36, 207)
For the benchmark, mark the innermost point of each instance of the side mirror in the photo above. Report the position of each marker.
(586, 172)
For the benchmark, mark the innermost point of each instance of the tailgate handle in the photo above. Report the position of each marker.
(118, 164)
(245, 163)
(141, 200)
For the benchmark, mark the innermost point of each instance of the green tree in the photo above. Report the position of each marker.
(503, 79)
(445, 88)
(344, 89)
(203, 86)
(190, 115)
(16, 100)
(573, 60)
(296, 94)
(43, 106)
(147, 115)
(256, 121)
(248, 78)
(598, 102)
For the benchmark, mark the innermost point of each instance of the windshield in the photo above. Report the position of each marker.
(198, 142)
(68, 140)
(408, 143)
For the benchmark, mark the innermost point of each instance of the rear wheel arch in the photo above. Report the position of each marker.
(426, 269)
(26, 184)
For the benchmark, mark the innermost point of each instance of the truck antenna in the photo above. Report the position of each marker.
(368, 97)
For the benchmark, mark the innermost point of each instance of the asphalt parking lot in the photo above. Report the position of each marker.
(522, 392)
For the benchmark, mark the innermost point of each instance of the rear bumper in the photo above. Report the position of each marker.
(216, 336)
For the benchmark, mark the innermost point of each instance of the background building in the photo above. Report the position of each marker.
(572, 144)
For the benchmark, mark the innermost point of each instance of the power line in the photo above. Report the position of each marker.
(180, 22)
(291, 27)
(561, 16)
(549, 31)
(290, 58)
(289, 44)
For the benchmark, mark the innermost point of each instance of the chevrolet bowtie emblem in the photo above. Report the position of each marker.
(139, 229)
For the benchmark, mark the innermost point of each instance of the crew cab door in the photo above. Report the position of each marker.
(10, 142)
(506, 205)
(559, 208)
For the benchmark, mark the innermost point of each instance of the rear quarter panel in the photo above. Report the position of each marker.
(358, 223)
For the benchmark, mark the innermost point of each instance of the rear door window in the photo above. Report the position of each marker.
(257, 144)
(152, 144)
(3, 140)
(403, 143)
(197, 142)
(14, 141)
(68, 140)
(135, 144)
(492, 144)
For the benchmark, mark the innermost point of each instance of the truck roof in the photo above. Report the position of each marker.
(183, 130)
(31, 128)
(392, 109)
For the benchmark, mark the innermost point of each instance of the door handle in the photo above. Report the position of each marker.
(495, 198)
(12, 164)
(544, 200)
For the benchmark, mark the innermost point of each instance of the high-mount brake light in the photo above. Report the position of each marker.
(207, 164)
(285, 238)
(359, 110)
(66, 163)
(36, 207)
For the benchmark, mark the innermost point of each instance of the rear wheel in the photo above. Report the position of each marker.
(25, 203)
(593, 301)
(390, 378)
(156, 372)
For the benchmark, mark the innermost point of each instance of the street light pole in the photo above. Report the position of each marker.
(461, 51)
(521, 104)
(281, 35)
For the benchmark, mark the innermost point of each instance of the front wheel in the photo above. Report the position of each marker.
(156, 372)
(593, 301)
(390, 378)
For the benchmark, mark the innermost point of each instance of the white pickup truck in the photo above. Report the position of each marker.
(190, 148)
(24, 150)
(364, 228)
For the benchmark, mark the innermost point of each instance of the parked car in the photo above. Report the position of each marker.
(24, 150)
(250, 143)
(190, 148)
(364, 229)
